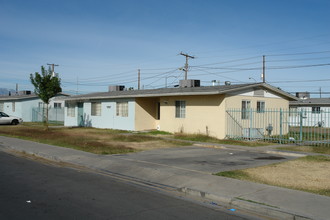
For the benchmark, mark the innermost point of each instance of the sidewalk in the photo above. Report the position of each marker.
(272, 201)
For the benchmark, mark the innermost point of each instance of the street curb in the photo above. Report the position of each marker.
(37, 154)
(246, 205)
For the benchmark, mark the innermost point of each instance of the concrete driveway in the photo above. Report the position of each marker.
(203, 159)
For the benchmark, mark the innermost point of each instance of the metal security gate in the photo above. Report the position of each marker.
(279, 126)
(55, 115)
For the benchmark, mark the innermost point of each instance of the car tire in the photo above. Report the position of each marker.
(14, 122)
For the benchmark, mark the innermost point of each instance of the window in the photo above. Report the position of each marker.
(316, 110)
(57, 105)
(180, 109)
(122, 109)
(71, 110)
(41, 105)
(13, 106)
(158, 111)
(260, 106)
(1, 106)
(96, 109)
(246, 105)
(293, 111)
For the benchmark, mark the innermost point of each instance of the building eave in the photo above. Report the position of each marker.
(194, 91)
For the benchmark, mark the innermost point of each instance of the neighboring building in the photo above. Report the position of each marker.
(29, 106)
(189, 110)
(312, 112)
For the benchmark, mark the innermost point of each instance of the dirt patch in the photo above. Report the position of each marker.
(309, 174)
(310, 149)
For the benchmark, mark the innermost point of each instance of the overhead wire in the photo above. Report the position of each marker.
(298, 81)
(298, 66)
(301, 59)
(228, 61)
(217, 74)
(298, 54)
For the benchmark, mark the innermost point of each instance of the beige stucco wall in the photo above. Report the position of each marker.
(204, 114)
(270, 103)
(145, 113)
(258, 121)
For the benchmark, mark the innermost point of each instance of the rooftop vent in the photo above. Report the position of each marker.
(215, 83)
(24, 92)
(190, 83)
(116, 88)
(303, 95)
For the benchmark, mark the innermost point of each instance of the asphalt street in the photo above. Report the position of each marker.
(34, 190)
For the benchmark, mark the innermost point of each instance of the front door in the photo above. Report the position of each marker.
(80, 114)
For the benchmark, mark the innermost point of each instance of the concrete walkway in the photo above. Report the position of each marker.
(167, 171)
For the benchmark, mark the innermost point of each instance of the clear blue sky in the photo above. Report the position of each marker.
(97, 43)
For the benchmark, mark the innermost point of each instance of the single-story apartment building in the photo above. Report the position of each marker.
(195, 109)
(28, 105)
(310, 112)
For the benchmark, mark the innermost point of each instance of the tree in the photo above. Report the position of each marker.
(46, 86)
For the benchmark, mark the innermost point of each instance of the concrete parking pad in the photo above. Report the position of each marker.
(208, 160)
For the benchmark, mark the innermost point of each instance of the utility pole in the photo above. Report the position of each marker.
(186, 64)
(53, 67)
(77, 85)
(264, 69)
(139, 79)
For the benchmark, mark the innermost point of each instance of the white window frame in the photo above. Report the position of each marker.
(293, 111)
(96, 108)
(122, 109)
(316, 109)
(261, 106)
(41, 105)
(180, 109)
(246, 108)
(71, 110)
(57, 105)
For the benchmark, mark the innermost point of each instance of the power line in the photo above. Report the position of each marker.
(108, 76)
(228, 61)
(270, 67)
(217, 74)
(298, 81)
(298, 66)
(264, 45)
(302, 59)
(229, 68)
(297, 54)
(243, 64)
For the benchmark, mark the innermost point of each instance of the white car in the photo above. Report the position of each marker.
(9, 120)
